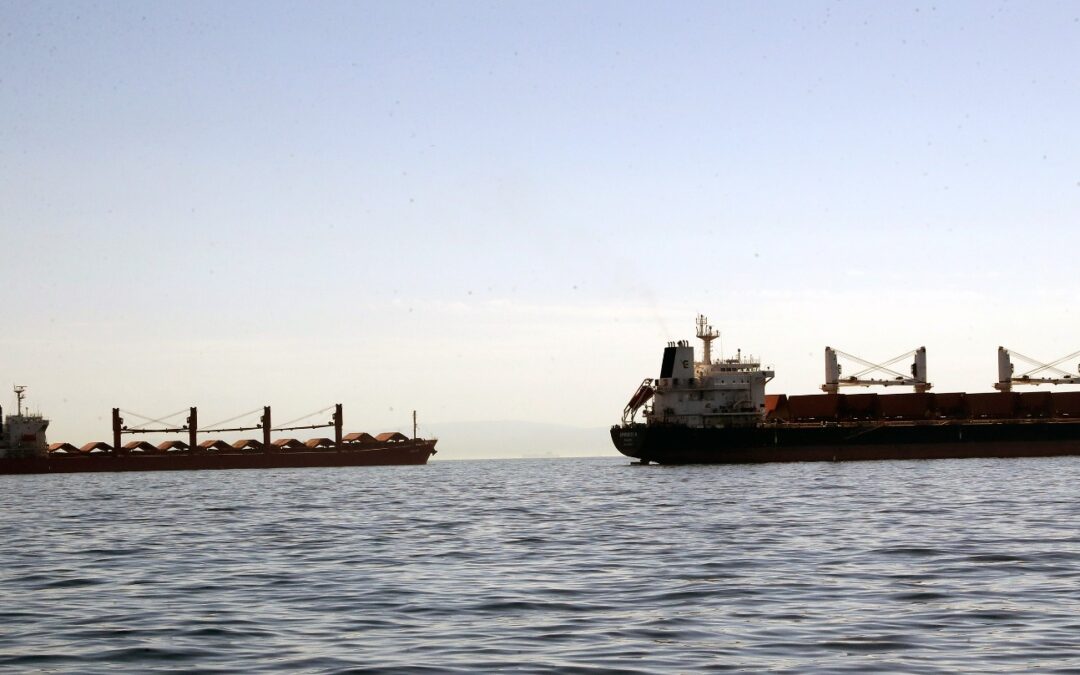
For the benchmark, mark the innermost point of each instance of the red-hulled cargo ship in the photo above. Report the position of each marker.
(24, 449)
(717, 412)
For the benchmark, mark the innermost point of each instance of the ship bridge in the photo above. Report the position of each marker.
(706, 393)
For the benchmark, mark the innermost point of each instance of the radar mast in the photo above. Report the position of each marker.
(20, 390)
(706, 334)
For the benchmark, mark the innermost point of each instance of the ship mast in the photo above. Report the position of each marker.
(19, 395)
(706, 334)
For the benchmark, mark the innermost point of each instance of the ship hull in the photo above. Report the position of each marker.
(412, 452)
(672, 444)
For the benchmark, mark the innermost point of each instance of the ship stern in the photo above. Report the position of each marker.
(629, 439)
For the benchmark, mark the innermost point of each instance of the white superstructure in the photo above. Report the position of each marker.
(23, 434)
(707, 393)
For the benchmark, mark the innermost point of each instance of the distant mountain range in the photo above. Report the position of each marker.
(479, 440)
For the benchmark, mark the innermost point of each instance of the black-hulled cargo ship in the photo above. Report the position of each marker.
(717, 412)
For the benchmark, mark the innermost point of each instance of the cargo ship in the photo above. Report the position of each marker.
(717, 412)
(24, 448)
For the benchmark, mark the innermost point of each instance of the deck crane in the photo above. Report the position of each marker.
(917, 379)
(1006, 379)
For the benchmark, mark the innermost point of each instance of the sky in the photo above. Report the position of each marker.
(503, 211)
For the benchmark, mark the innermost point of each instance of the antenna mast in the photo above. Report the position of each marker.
(706, 334)
(19, 395)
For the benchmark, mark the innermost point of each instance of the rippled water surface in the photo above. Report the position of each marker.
(548, 565)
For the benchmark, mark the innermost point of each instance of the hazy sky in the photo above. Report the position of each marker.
(502, 211)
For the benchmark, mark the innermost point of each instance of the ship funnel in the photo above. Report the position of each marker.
(678, 361)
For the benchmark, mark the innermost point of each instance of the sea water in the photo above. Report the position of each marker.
(562, 565)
